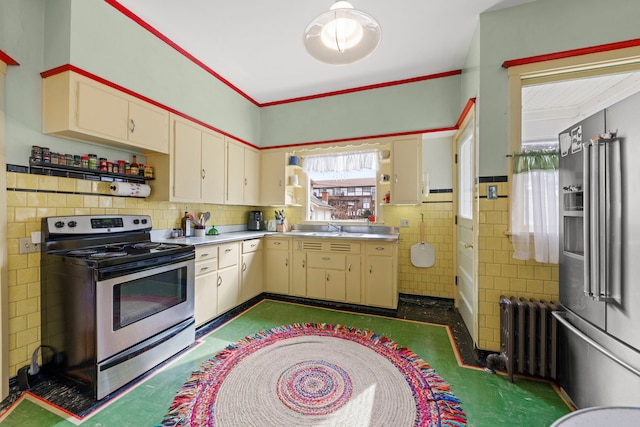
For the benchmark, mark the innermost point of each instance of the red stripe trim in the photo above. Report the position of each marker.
(168, 41)
(148, 27)
(362, 88)
(469, 105)
(7, 59)
(359, 138)
(73, 68)
(571, 53)
(80, 71)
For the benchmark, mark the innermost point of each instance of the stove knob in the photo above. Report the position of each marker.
(136, 221)
(144, 221)
(59, 224)
(72, 224)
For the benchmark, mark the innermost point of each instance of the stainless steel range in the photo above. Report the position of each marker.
(114, 303)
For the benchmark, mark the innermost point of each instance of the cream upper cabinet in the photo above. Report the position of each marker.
(243, 174)
(194, 172)
(273, 178)
(281, 184)
(78, 107)
(406, 182)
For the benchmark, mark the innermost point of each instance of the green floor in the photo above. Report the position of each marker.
(488, 400)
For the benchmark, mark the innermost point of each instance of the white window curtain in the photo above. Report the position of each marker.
(341, 162)
(534, 206)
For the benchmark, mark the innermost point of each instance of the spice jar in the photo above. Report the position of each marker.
(103, 164)
(148, 171)
(77, 161)
(36, 154)
(109, 167)
(46, 155)
(93, 161)
(84, 162)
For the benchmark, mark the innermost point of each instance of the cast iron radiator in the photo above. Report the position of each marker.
(528, 338)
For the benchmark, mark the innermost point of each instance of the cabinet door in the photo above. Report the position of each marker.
(148, 127)
(102, 112)
(235, 173)
(277, 271)
(335, 285)
(353, 279)
(252, 176)
(272, 182)
(316, 283)
(251, 284)
(228, 286)
(213, 171)
(206, 296)
(379, 287)
(186, 162)
(406, 182)
(299, 276)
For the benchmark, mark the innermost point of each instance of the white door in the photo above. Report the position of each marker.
(467, 289)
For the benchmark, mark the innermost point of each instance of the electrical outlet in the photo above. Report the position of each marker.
(404, 222)
(27, 246)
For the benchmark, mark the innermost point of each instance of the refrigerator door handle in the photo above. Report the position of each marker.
(562, 318)
(612, 221)
(586, 212)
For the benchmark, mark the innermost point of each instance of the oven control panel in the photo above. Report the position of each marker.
(96, 224)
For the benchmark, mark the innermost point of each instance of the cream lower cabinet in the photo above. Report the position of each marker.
(298, 271)
(277, 265)
(252, 269)
(381, 275)
(206, 284)
(228, 276)
(333, 270)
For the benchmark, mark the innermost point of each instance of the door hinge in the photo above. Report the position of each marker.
(456, 219)
(456, 280)
(456, 159)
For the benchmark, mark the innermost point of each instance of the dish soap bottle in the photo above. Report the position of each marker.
(186, 225)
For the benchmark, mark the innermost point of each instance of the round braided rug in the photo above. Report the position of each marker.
(315, 375)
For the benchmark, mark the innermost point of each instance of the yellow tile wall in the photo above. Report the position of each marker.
(501, 274)
(436, 281)
(32, 197)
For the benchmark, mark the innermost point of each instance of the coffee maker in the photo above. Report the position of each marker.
(255, 221)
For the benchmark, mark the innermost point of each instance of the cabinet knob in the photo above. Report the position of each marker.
(286, 262)
(244, 266)
(328, 277)
(204, 174)
(204, 268)
(349, 267)
(371, 269)
(277, 243)
(132, 127)
(379, 248)
(395, 177)
(227, 250)
(245, 182)
(302, 263)
(326, 258)
(219, 281)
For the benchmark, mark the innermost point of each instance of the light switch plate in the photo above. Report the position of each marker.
(27, 246)
(404, 222)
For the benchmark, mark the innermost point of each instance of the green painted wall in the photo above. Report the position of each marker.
(536, 28)
(422, 105)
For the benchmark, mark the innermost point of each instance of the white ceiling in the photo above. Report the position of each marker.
(256, 45)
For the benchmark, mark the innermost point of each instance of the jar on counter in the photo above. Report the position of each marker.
(84, 162)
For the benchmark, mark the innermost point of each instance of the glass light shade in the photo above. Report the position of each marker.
(342, 35)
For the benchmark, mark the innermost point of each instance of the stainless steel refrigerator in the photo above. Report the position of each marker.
(599, 360)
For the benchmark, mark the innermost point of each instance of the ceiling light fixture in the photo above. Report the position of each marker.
(342, 35)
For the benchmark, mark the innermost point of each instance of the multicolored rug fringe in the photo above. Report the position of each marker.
(436, 404)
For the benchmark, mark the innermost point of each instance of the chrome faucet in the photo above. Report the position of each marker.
(331, 224)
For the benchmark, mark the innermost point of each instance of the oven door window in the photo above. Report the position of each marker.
(140, 298)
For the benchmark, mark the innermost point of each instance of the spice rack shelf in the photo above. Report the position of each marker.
(38, 168)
